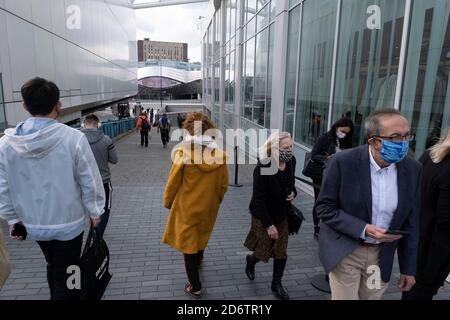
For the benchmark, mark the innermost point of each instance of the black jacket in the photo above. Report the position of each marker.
(268, 202)
(324, 147)
(435, 215)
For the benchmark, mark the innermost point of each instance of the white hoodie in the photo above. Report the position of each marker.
(50, 181)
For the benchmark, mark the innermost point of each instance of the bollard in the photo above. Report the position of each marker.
(236, 168)
(320, 281)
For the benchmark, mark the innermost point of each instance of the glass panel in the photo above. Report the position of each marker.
(249, 77)
(216, 35)
(262, 43)
(269, 76)
(226, 23)
(250, 9)
(262, 18)
(273, 9)
(232, 79)
(317, 43)
(216, 82)
(368, 61)
(2, 107)
(291, 69)
(233, 17)
(426, 92)
(227, 77)
(260, 4)
(251, 28)
(293, 2)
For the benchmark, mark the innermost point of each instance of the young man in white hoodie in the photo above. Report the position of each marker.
(49, 183)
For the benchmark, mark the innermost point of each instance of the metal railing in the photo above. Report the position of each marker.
(116, 128)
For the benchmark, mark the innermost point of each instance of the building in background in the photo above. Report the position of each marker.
(300, 65)
(88, 48)
(155, 50)
(169, 80)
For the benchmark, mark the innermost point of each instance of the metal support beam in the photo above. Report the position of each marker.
(164, 3)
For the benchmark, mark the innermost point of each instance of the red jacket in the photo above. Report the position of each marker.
(139, 122)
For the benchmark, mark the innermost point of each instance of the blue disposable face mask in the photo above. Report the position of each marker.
(394, 152)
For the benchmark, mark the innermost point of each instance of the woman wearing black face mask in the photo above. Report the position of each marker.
(337, 139)
(273, 191)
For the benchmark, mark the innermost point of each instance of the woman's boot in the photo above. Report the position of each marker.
(277, 287)
(250, 268)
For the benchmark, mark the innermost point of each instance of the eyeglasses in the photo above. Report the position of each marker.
(398, 138)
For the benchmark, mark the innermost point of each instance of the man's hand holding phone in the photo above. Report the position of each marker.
(18, 231)
(380, 234)
(397, 232)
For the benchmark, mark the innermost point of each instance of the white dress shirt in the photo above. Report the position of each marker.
(384, 195)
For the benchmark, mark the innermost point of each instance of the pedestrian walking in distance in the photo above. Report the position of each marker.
(104, 153)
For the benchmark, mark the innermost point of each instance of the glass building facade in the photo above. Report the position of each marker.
(299, 66)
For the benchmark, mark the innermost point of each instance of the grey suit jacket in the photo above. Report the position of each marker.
(344, 206)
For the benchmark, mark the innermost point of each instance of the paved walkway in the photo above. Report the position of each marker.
(143, 268)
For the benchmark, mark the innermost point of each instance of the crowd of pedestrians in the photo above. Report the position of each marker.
(372, 201)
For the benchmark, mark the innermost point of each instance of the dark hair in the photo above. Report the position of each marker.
(91, 119)
(372, 124)
(40, 96)
(347, 142)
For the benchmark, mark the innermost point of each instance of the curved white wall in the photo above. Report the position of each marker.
(97, 62)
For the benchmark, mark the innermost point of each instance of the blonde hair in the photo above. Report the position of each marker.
(440, 150)
(273, 141)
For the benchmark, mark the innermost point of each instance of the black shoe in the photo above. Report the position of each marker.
(250, 268)
(316, 232)
(279, 291)
(278, 270)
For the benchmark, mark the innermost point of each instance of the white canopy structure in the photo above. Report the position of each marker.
(160, 3)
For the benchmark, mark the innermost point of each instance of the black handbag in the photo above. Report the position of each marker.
(295, 219)
(312, 169)
(94, 267)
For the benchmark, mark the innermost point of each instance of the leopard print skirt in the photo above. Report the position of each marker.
(263, 246)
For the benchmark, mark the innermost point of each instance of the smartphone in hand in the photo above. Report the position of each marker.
(19, 230)
(397, 232)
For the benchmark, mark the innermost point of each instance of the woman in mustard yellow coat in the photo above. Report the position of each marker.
(198, 180)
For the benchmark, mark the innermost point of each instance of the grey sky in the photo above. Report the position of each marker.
(174, 23)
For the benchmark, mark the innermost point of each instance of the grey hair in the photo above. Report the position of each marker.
(372, 123)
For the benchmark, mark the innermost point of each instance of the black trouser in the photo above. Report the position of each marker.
(317, 183)
(59, 256)
(433, 267)
(191, 262)
(164, 136)
(144, 138)
(105, 216)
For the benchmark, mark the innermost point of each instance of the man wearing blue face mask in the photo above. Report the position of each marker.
(369, 207)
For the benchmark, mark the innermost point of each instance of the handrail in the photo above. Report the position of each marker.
(116, 127)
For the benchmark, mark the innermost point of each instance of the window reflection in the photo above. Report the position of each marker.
(315, 68)
(426, 93)
(368, 61)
